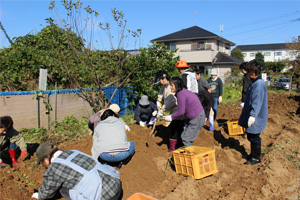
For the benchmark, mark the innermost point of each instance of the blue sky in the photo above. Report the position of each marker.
(244, 22)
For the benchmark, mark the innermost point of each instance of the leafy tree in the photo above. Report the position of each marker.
(295, 64)
(237, 53)
(276, 66)
(151, 60)
(259, 57)
(98, 68)
(21, 62)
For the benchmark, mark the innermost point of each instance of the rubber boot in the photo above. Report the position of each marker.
(211, 123)
(12, 153)
(254, 156)
(173, 143)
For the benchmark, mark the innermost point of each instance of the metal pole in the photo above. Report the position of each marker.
(55, 104)
(48, 111)
(38, 108)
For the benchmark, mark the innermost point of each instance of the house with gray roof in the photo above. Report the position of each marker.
(201, 49)
(271, 52)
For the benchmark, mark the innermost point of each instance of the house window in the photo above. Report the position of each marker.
(218, 45)
(244, 54)
(278, 53)
(267, 54)
(227, 47)
(201, 45)
(252, 54)
(171, 46)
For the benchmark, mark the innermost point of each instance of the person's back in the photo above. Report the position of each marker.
(109, 135)
(190, 81)
(71, 173)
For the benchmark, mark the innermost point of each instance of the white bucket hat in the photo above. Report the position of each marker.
(213, 72)
(144, 100)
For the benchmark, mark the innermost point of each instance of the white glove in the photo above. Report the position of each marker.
(35, 195)
(154, 113)
(158, 104)
(251, 121)
(220, 99)
(142, 124)
(127, 127)
(168, 118)
(159, 114)
(242, 105)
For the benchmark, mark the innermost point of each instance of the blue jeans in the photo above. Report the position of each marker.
(215, 107)
(13, 146)
(119, 156)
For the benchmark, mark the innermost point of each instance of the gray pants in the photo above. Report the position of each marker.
(192, 129)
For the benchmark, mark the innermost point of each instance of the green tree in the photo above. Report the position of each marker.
(151, 60)
(98, 68)
(20, 63)
(259, 57)
(276, 66)
(294, 71)
(237, 53)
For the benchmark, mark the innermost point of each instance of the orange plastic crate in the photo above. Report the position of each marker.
(234, 128)
(194, 161)
(140, 196)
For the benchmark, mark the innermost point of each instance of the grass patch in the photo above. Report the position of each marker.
(69, 129)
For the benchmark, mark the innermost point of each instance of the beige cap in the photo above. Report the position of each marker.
(114, 107)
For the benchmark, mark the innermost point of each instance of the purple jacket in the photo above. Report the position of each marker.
(189, 105)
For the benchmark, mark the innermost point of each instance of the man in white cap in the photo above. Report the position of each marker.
(216, 85)
(145, 112)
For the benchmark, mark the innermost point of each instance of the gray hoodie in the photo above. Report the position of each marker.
(109, 136)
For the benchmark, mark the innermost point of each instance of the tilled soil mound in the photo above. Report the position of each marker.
(277, 177)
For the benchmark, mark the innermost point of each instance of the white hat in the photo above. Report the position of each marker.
(144, 100)
(213, 72)
(114, 107)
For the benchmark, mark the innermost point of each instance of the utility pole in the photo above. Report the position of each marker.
(195, 17)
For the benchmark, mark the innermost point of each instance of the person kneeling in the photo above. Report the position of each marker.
(71, 173)
(110, 143)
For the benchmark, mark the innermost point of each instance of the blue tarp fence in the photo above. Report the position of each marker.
(124, 96)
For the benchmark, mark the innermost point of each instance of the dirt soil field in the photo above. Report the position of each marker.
(277, 177)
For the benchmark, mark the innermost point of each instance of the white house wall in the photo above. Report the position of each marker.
(196, 56)
(285, 54)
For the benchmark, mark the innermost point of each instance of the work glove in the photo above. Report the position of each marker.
(158, 104)
(24, 154)
(242, 104)
(220, 99)
(127, 127)
(142, 124)
(154, 113)
(168, 118)
(251, 121)
(35, 195)
(159, 114)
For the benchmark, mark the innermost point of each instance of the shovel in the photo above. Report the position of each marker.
(152, 131)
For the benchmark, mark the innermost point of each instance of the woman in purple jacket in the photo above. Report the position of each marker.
(189, 106)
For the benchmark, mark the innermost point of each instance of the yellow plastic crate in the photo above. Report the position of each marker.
(234, 128)
(194, 161)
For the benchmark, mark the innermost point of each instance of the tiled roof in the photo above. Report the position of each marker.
(193, 32)
(224, 58)
(257, 47)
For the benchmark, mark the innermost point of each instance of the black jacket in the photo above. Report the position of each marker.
(246, 83)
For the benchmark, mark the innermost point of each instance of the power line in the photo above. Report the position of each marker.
(263, 20)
